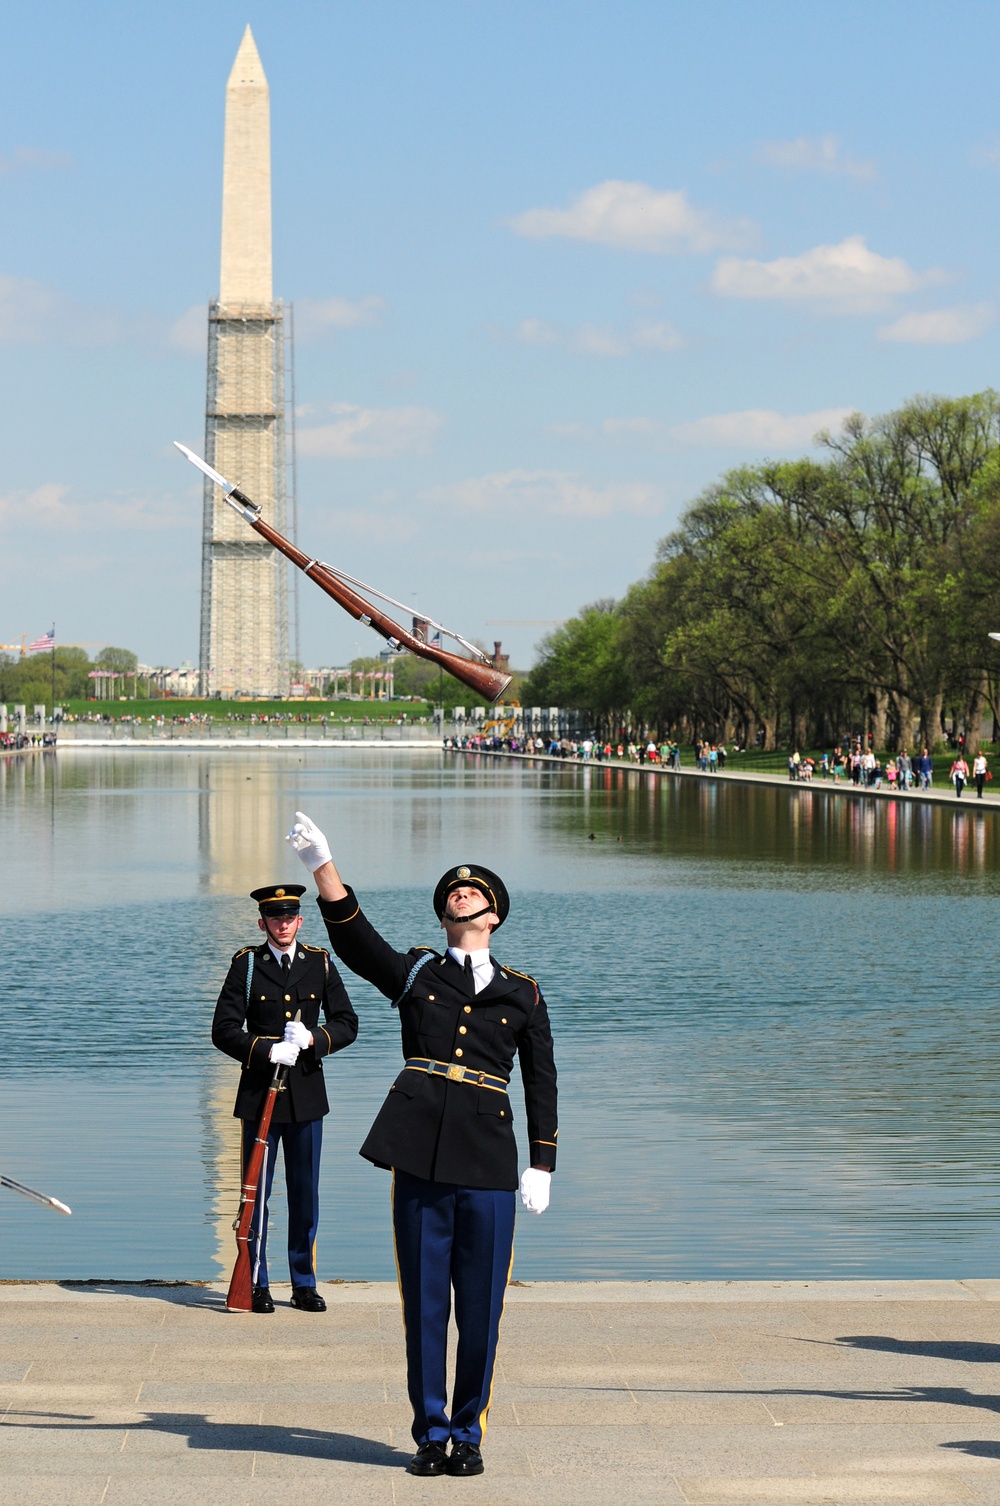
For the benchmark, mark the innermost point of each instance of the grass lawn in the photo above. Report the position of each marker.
(229, 711)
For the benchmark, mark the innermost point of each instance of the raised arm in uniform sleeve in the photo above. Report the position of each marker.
(538, 1073)
(228, 1032)
(360, 947)
(341, 1027)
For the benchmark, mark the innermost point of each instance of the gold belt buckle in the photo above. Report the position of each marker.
(455, 1074)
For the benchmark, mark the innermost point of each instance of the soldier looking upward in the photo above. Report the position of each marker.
(446, 1131)
(254, 1022)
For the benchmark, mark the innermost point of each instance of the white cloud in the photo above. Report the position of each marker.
(33, 314)
(848, 276)
(33, 159)
(965, 321)
(370, 433)
(635, 217)
(759, 429)
(535, 332)
(592, 340)
(318, 317)
(602, 340)
(815, 154)
(987, 153)
(751, 429)
(660, 335)
(556, 493)
(27, 309)
(51, 508)
(190, 331)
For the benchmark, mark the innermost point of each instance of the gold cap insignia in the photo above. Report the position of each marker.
(279, 893)
(463, 873)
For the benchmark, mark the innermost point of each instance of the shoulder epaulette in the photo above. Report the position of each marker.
(307, 948)
(518, 974)
(242, 952)
(422, 949)
(527, 978)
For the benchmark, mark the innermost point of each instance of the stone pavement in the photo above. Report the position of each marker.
(714, 1393)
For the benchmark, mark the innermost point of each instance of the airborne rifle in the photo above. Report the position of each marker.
(239, 1298)
(482, 677)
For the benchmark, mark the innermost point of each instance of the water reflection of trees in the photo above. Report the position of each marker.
(787, 832)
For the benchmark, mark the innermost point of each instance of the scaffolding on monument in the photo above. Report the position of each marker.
(244, 584)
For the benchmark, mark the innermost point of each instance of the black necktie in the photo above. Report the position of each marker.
(286, 964)
(470, 976)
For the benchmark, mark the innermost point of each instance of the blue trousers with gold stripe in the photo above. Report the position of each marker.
(451, 1237)
(301, 1144)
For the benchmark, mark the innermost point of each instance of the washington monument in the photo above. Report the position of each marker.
(244, 590)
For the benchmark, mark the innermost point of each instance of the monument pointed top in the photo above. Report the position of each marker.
(245, 276)
(248, 68)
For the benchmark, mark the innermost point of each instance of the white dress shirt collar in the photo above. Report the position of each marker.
(482, 965)
(278, 952)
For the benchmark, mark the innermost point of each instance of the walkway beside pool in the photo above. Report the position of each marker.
(619, 1394)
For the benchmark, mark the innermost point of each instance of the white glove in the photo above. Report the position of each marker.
(309, 842)
(284, 1053)
(296, 1034)
(535, 1186)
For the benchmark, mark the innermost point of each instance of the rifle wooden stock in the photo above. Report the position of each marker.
(482, 678)
(239, 1298)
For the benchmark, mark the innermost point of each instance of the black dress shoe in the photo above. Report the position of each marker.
(465, 1459)
(308, 1299)
(261, 1301)
(430, 1459)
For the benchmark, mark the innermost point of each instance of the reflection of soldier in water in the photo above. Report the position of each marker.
(254, 1022)
(446, 1130)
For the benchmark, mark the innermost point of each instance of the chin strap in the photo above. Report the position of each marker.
(461, 920)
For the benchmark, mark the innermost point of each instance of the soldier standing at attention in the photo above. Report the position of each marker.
(254, 1022)
(446, 1131)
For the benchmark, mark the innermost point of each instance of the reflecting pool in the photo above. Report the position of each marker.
(774, 1013)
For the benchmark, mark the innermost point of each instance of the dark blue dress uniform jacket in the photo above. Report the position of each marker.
(248, 1032)
(434, 1128)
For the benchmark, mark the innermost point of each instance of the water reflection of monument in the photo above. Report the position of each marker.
(238, 836)
(238, 825)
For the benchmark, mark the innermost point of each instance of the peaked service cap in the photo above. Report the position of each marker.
(473, 876)
(279, 899)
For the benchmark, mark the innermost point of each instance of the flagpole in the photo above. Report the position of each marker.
(53, 674)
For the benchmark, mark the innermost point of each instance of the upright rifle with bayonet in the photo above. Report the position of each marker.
(477, 673)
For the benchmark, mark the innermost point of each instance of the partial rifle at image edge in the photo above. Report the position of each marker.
(35, 1197)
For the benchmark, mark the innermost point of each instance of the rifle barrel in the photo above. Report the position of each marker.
(482, 678)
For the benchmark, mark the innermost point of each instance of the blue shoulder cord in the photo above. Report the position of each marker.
(414, 970)
(249, 974)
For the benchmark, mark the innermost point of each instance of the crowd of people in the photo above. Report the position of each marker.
(14, 741)
(857, 764)
(863, 767)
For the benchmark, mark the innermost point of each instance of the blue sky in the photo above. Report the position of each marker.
(555, 267)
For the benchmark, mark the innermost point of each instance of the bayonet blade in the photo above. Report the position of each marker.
(227, 486)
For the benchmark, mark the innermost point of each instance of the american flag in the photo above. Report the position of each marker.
(48, 640)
